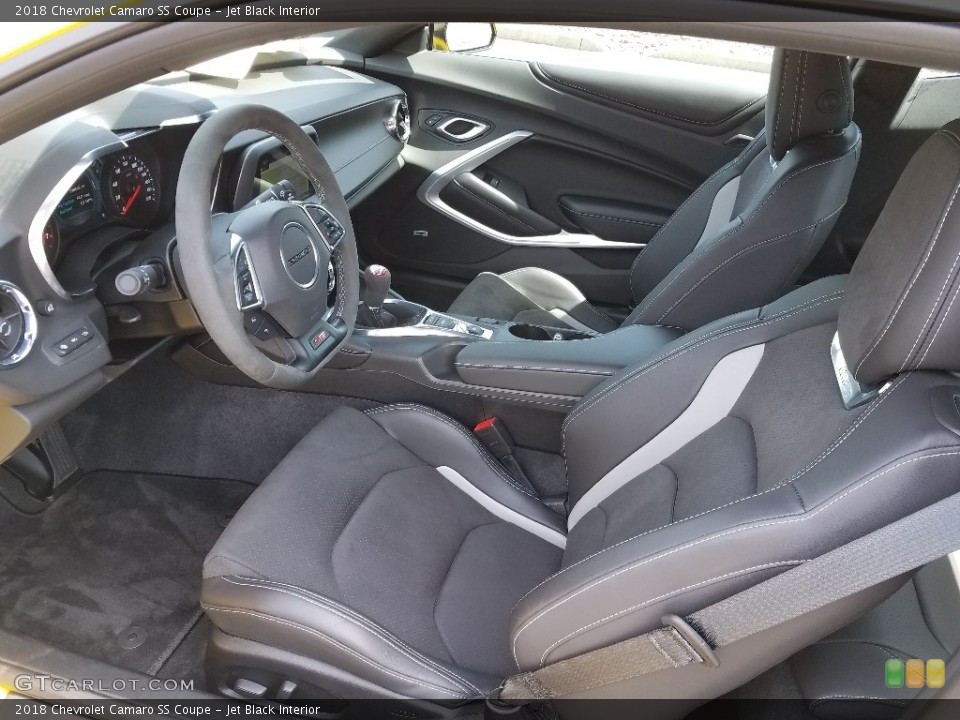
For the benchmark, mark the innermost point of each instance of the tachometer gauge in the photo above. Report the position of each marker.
(51, 241)
(80, 202)
(131, 189)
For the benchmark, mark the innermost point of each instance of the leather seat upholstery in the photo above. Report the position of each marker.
(389, 555)
(741, 239)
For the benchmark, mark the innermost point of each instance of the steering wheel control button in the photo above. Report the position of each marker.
(260, 326)
(299, 255)
(328, 225)
(248, 290)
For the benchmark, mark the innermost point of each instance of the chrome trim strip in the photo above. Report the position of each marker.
(429, 193)
(285, 260)
(478, 129)
(423, 329)
(43, 215)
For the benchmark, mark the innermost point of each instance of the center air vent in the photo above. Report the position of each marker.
(397, 121)
(18, 325)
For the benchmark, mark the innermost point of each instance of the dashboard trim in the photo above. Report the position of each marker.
(43, 214)
(29, 337)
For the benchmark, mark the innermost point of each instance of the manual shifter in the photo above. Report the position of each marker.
(376, 281)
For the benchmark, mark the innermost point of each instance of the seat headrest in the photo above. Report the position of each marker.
(898, 313)
(810, 94)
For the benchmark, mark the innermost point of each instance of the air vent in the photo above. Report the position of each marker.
(18, 325)
(397, 121)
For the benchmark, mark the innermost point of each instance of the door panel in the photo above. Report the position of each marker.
(568, 180)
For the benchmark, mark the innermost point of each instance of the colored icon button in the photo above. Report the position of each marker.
(914, 673)
(936, 673)
(894, 673)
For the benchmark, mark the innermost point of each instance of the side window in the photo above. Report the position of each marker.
(600, 47)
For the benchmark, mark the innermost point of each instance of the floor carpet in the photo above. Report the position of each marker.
(112, 569)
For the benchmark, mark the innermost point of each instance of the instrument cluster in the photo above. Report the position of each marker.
(122, 188)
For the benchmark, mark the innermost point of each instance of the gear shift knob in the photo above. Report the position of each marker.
(377, 283)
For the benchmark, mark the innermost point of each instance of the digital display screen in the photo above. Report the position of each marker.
(278, 165)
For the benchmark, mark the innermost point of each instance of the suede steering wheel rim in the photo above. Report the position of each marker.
(258, 277)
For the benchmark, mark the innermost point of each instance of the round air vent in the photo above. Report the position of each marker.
(18, 325)
(397, 121)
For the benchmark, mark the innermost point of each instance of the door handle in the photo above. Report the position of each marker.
(461, 129)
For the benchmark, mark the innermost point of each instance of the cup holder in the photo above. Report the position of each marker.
(530, 332)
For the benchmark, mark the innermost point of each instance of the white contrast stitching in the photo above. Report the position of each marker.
(622, 101)
(801, 518)
(339, 645)
(347, 614)
(648, 302)
(735, 256)
(931, 244)
(664, 596)
(482, 451)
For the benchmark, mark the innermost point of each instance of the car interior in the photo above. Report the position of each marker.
(470, 366)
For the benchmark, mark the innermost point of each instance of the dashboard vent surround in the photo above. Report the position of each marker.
(18, 325)
(397, 121)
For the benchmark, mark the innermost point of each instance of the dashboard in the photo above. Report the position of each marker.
(91, 195)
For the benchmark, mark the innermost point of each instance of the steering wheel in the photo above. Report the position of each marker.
(259, 278)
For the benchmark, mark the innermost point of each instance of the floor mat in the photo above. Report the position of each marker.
(157, 418)
(112, 569)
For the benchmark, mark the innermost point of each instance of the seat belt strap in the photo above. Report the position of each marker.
(882, 555)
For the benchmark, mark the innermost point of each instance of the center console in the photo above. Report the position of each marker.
(493, 358)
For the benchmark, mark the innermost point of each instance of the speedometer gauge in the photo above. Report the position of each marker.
(131, 189)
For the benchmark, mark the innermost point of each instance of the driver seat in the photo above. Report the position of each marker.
(390, 556)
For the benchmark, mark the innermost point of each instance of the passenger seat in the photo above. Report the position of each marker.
(843, 675)
(741, 239)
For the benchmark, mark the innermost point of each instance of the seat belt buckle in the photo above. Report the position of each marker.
(494, 435)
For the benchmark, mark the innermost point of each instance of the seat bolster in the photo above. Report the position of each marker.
(680, 234)
(308, 624)
(671, 379)
(623, 590)
(440, 441)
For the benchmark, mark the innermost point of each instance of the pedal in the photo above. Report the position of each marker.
(60, 456)
(45, 464)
